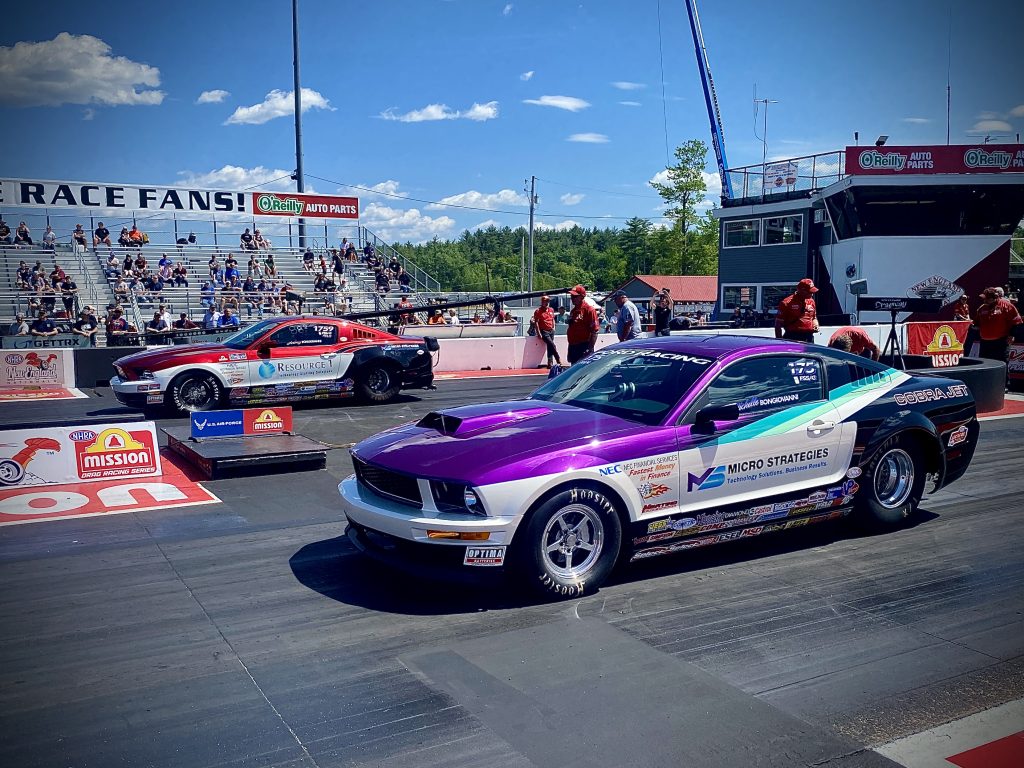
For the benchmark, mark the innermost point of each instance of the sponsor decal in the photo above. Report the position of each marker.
(117, 452)
(237, 356)
(651, 353)
(874, 159)
(294, 368)
(988, 158)
(979, 158)
(216, 424)
(767, 402)
(854, 472)
(659, 505)
(292, 204)
(931, 394)
(652, 490)
(958, 436)
(936, 287)
(712, 477)
(804, 371)
(267, 421)
(612, 470)
(944, 342)
(758, 469)
(484, 556)
(36, 368)
(1015, 361)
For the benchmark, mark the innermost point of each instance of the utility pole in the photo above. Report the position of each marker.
(522, 263)
(533, 202)
(300, 185)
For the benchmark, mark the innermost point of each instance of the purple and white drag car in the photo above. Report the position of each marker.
(652, 447)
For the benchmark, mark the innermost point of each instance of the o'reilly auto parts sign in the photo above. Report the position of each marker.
(316, 206)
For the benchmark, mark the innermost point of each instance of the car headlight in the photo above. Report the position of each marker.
(147, 375)
(456, 497)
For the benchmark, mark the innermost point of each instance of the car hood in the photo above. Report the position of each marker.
(155, 359)
(503, 441)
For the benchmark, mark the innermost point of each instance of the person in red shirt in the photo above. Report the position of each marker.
(962, 309)
(583, 326)
(855, 340)
(995, 320)
(798, 315)
(544, 322)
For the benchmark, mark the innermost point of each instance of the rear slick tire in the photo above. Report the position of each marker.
(893, 484)
(378, 384)
(570, 544)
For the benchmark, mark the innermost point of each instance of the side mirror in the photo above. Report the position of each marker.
(263, 350)
(704, 423)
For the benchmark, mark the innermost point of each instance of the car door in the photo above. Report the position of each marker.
(788, 436)
(296, 355)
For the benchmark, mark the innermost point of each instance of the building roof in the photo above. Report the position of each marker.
(693, 288)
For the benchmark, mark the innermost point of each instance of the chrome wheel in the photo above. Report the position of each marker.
(196, 393)
(572, 541)
(894, 478)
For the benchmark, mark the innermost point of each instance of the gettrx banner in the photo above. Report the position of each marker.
(967, 158)
(78, 454)
(943, 341)
(32, 193)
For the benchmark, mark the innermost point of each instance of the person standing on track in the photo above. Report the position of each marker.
(583, 326)
(544, 322)
(995, 319)
(798, 314)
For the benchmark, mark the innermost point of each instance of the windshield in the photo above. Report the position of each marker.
(248, 335)
(636, 384)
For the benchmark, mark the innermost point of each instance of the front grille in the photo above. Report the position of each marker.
(393, 485)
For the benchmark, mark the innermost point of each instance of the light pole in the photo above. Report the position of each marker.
(300, 185)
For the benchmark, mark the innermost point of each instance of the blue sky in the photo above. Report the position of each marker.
(461, 100)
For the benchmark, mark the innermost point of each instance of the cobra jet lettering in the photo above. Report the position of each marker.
(931, 395)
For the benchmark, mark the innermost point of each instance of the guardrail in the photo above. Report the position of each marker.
(779, 177)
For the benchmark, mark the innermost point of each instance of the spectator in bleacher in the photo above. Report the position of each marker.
(381, 281)
(117, 325)
(320, 284)
(245, 241)
(368, 251)
(344, 246)
(166, 274)
(49, 239)
(57, 276)
(252, 298)
(253, 269)
(137, 237)
(453, 318)
(476, 318)
(23, 235)
(121, 290)
(337, 263)
(101, 235)
(307, 260)
(6, 238)
(112, 266)
(231, 274)
(261, 243)
(180, 276)
(165, 260)
(123, 240)
(404, 281)
(24, 273)
(78, 239)
(141, 264)
(230, 300)
(68, 291)
(43, 325)
(19, 327)
(228, 319)
(322, 263)
(393, 265)
(268, 266)
(86, 326)
(436, 319)
(210, 318)
(183, 323)
(158, 325)
(207, 294)
(214, 267)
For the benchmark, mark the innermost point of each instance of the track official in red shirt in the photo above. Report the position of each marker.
(798, 314)
(854, 340)
(544, 322)
(583, 326)
(995, 319)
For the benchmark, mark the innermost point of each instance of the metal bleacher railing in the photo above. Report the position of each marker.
(788, 176)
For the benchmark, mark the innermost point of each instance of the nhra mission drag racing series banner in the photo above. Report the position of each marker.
(943, 341)
(31, 193)
(78, 454)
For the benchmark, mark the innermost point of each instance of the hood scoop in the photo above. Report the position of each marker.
(459, 426)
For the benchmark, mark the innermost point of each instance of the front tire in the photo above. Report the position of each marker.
(378, 384)
(894, 480)
(196, 392)
(570, 543)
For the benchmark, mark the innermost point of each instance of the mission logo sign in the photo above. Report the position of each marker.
(241, 422)
(116, 452)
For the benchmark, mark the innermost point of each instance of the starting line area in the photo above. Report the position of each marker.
(33, 504)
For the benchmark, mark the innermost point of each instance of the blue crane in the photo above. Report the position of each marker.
(717, 135)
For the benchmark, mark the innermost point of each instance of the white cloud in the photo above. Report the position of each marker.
(277, 104)
(411, 225)
(526, 75)
(713, 182)
(486, 225)
(88, 114)
(917, 120)
(625, 85)
(431, 112)
(74, 69)
(661, 177)
(507, 9)
(1017, 111)
(990, 126)
(571, 198)
(570, 103)
(386, 188)
(215, 96)
(490, 201)
(235, 177)
(559, 227)
(990, 115)
(589, 138)
(630, 103)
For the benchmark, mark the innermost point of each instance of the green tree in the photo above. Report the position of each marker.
(633, 241)
(683, 189)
